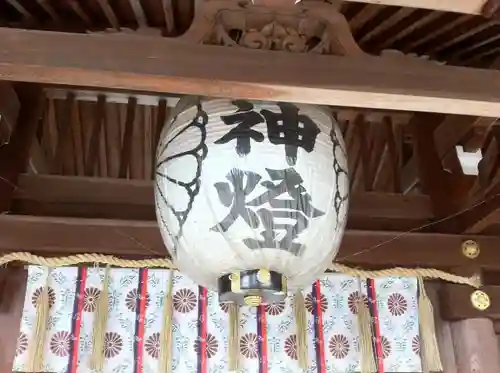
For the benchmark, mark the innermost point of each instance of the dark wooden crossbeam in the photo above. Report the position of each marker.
(136, 239)
(176, 66)
(456, 305)
(60, 215)
(110, 198)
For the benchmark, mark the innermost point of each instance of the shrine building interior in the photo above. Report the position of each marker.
(81, 115)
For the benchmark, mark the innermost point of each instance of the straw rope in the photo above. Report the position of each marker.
(429, 273)
(474, 281)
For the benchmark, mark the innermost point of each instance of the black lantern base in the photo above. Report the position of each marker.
(252, 287)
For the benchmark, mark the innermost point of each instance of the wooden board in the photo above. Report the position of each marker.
(456, 303)
(170, 65)
(136, 239)
(58, 205)
(110, 198)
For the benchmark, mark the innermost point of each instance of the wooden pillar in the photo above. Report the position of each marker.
(11, 308)
(443, 330)
(476, 346)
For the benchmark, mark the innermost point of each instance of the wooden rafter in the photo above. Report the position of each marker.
(140, 16)
(412, 45)
(77, 8)
(168, 65)
(47, 6)
(109, 13)
(21, 9)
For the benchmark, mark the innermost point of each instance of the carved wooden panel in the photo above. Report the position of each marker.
(307, 27)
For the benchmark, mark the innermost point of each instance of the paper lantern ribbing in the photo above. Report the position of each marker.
(251, 197)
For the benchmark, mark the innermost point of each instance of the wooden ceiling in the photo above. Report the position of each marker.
(113, 135)
(460, 39)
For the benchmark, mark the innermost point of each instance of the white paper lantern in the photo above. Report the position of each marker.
(245, 186)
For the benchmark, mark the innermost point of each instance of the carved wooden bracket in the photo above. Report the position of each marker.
(306, 27)
(303, 27)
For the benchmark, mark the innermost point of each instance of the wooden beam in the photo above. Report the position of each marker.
(170, 65)
(456, 6)
(65, 236)
(107, 198)
(21, 9)
(87, 197)
(456, 305)
(428, 163)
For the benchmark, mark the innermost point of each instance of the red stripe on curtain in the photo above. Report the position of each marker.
(376, 326)
(143, 293)
(320, 355)
(77, 315)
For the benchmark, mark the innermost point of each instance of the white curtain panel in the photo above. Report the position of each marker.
(267, 343)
